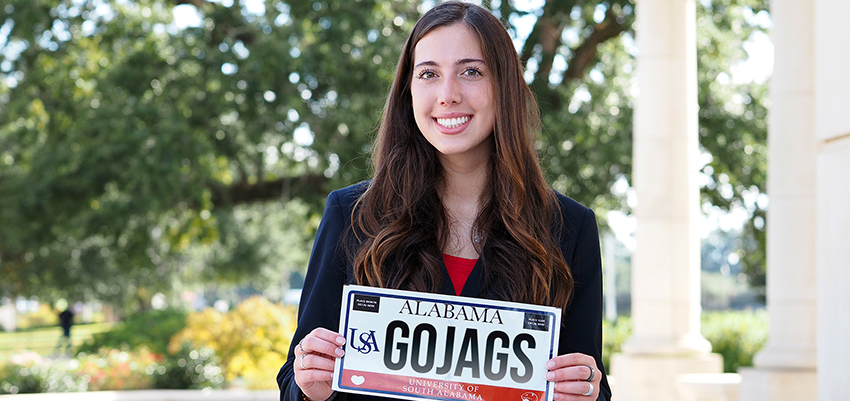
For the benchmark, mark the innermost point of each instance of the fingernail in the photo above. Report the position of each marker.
(339, 352)
(340, 340)
(550, 376)
(550, 365)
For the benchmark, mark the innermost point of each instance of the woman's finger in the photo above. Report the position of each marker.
(576, 377)
(572, 373)
(321, 341)
(576, 391)
(316, 362)
(575, 359)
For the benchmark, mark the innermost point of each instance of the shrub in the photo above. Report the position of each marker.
(112, 369)
(45, 316)
(737, 335)
(28, 372)
(152, 329)
(248, 339)
(614, 334)
(21, 374)
(188, 369)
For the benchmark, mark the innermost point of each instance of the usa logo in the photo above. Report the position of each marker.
(367, 344)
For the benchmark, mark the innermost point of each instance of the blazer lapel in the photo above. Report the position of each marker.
(473, 285)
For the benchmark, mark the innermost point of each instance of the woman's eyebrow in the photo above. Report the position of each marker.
(459, 62)
(429, 62)
(469, 60)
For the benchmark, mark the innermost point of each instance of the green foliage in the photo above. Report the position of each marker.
(251, 340)
(733, 124)
(135, 152)
(110, 369)
(27, 372)
(45, 316)
(140, 141)
(736, 335)
(22, 373)
(152, 329)
(614, 334)
(188, 369)
(18, 379)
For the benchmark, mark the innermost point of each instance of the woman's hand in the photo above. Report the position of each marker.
(314, 365)
(575, 376)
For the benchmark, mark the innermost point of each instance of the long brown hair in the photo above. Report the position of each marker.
(400, 222)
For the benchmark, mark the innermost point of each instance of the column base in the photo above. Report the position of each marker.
(762, 384)
(711, 386)
(802, 355)
(651, 377)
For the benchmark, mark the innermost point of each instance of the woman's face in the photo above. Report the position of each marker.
(452, 91)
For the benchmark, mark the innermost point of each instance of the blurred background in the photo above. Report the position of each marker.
(164, 164)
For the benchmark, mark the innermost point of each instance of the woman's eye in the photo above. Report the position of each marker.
(472, 72)
(426, 74)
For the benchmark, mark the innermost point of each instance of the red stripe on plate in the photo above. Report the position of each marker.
(433, 388)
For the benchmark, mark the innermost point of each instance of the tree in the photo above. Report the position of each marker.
(135, 150)
(126, 139)
(582, 57)
(733, 126)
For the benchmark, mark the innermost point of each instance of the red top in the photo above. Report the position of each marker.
(459, 270)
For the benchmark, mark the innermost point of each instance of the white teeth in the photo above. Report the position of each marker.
(453, 122)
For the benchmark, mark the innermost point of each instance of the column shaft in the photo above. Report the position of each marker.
(666, 341)
(785, 368)
(832, 123)
(792, 177)
(665, 266)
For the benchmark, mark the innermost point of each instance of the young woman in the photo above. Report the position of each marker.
(457, 205)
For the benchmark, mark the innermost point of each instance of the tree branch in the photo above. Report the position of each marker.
(304, 186)
(547, 32)
(550, 38)
(585, 53)
(196, 3)
(232, 28)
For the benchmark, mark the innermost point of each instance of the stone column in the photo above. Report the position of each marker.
(785, 368)
(832, 123)
(666, 309)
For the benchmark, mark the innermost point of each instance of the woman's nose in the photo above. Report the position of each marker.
(450, 92)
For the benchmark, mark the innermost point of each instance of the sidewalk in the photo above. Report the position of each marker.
(151, 395)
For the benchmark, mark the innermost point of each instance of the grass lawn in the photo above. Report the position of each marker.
(44, 340)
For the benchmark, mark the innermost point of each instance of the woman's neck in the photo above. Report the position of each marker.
(463, 187)
(462, 195)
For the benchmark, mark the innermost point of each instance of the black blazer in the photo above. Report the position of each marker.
(329, 269)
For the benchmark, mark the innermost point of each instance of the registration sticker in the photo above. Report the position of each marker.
(414, 346)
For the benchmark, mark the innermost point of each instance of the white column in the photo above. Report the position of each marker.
(666, 309)
(609, 268)
(665, 272)
(832, 123)
(785, 368)
(834, 270)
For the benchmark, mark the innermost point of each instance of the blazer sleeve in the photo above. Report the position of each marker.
(582, 327)
(322, 293)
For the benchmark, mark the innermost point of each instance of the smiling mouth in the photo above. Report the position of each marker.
(453, 122)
